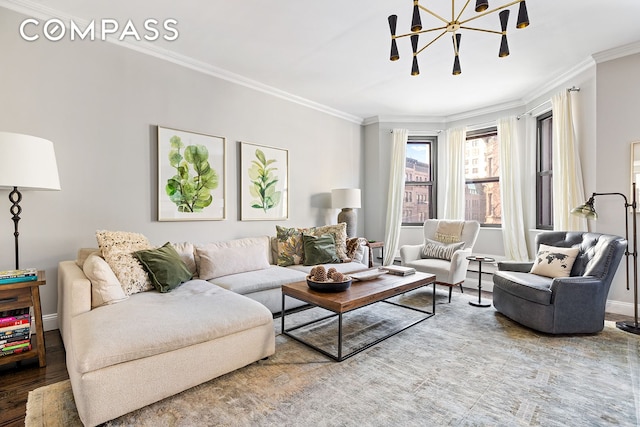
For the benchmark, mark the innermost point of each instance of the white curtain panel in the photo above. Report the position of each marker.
(454, 174)
(568, 187)
(396, 193)
(513, 228)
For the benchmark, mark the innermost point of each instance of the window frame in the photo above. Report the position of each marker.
(476, 134)
(433, 142)
(540, 173)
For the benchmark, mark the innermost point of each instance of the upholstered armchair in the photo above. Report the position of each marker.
(561, 305)
(449, 272)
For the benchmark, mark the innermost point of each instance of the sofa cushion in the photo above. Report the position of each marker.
(433, 249)
(117, 248)
(554, 261)
(259, 280)
(530, 287)
(166, 269)
(105, 286)
(193, 313)
(319, 249)
(186, 250)
(232, 257)
(440, 267)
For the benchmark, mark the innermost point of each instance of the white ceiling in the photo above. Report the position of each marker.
(336, 52)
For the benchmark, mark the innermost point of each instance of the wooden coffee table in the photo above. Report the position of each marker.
(360, 294)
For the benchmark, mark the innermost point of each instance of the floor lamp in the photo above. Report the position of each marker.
(29, 164)
(588, 211)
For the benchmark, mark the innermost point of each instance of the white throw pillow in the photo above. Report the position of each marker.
(554, 262)
(117, 248)
(217, 261)
(105, 287)
(187, 253)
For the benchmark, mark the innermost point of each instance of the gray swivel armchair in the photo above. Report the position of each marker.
(566, 305)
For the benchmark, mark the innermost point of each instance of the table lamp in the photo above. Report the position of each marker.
(346, 199)
(29, 164)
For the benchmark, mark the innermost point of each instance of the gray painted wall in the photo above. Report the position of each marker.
(100, 104)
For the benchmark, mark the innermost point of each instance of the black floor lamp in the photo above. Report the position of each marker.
(29, 164)
(588, 211)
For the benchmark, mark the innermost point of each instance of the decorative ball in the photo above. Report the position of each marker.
(338, 277)
(330, 272)
(320, 275)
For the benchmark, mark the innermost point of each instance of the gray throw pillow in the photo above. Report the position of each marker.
(319, 249)
(433, 249)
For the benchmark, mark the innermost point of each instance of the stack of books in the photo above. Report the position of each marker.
(21, 275)
(399, 270)
(15, 331)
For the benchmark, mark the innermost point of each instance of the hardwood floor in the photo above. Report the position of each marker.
(16, 380)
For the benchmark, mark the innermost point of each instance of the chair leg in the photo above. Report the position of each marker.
(461, 290)
(450, 289)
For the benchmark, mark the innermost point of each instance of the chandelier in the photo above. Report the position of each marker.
(454, 25)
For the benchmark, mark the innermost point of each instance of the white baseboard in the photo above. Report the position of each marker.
(50, 321)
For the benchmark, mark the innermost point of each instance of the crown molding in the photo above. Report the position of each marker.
(472, 114)
(403, 119)
(617, 52)
(559, 80)
(38, 10)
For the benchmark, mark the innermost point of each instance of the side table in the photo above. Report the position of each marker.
(26, 294)
(375, 245)
(480, 260)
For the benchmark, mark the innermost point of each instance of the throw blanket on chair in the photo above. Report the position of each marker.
(449, 231)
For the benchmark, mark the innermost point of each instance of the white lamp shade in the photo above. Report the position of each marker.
(29, 163)
(345, 198)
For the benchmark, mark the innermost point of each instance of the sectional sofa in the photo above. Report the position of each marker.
(127, 351)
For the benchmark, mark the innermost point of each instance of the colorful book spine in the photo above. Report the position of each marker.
(20, 319)
(10, 333)
(16, 312)
(17, 279)
(15, 338)
(15, 344)
(18, 273)
(16, 350)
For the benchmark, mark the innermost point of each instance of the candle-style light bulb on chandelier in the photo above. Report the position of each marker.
(454, 25)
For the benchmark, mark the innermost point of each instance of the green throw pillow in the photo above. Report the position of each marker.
(319, 249)
(166, 269)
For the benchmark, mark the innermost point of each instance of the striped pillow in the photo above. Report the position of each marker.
(433, 249)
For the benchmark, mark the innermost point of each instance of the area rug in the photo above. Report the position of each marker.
(466, 366)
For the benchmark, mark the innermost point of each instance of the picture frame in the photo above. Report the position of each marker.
(191, 176)
(264, 182)
(635, 172)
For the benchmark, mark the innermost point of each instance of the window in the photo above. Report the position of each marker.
(419, 187)
(544, 172)
(482, 190)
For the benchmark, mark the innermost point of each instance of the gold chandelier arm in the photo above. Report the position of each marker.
(419, 32)
(434, 14)
(490, 11)
(483, 30)
(430, 43)
(462, 11)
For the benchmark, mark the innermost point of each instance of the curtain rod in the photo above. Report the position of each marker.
(530, 110)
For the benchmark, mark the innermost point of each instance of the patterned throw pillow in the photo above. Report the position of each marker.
(117, 249)
(554, 262)
(433, 249)
(339, 232)
(290, 251)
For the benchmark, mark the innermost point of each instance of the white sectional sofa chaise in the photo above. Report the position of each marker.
(148, 346)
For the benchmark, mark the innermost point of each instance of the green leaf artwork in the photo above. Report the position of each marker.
(263, 183)
(190, 193)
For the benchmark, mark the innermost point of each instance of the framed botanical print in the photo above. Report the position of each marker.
(191, 176)
(264, 182)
